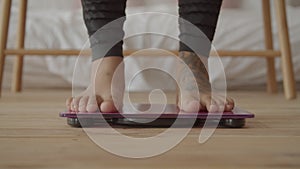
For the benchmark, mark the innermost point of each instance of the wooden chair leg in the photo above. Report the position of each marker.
(286, 54)
(271, 76)
(18, 64)
(5, 13)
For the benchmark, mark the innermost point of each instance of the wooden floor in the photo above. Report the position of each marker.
(33, 136)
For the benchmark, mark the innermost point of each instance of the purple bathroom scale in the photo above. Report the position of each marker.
(156, 116)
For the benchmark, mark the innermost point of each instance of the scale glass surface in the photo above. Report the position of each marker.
(155, 115)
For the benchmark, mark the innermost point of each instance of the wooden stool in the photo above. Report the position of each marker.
(270, 54)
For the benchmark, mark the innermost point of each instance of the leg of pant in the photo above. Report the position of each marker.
(195, 15)
(104, 20)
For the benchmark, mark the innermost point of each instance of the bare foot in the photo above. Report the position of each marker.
(99, 93)
(199, 96)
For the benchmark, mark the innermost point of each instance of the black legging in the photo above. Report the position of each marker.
(97, 13)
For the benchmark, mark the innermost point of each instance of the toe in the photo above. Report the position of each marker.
(220, 103)
(192, 106)
(229, 104)
(108, 106)
(189, 104)
(83, 103)
(92, 104)
(75, 103)
(69, 102)
(213, 108)
(205, 102)
(210, 104)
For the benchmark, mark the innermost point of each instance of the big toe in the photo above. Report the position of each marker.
(69, 103)
(108, 106)
(209, 103)
(189, 104)
(229, 104)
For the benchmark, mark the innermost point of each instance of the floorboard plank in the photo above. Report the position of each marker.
(33, 136)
